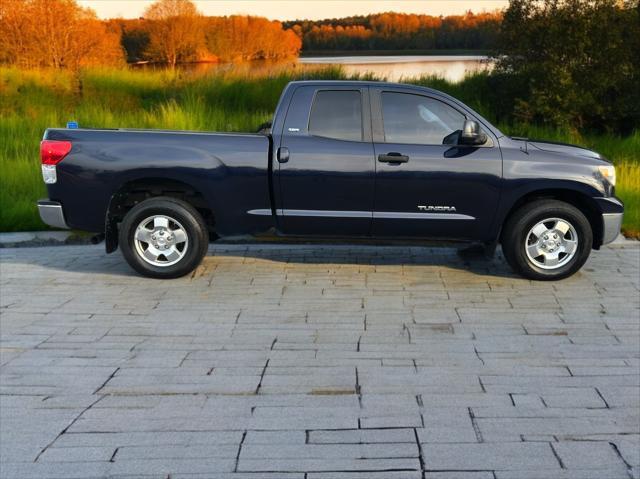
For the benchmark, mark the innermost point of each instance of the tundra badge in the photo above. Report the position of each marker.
(443, 209)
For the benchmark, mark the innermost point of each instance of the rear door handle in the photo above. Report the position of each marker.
(283, 154)
(393, 157)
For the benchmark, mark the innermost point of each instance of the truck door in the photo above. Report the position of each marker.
(426, 184)
(324, 168)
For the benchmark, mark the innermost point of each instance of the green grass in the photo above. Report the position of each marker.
(31, 101)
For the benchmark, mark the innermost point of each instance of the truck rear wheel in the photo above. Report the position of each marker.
(163, 237)
(547, 240)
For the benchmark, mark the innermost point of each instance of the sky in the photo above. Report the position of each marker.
(301, 9)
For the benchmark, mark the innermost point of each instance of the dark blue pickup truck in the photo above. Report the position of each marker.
(340, 159)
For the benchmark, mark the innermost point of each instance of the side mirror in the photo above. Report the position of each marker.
(471, 134)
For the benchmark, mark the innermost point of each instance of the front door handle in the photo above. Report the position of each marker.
(393, 157)
(283, 154)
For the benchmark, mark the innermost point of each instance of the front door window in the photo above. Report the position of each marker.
(418, 120)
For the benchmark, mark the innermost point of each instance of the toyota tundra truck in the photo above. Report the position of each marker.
(347, 159)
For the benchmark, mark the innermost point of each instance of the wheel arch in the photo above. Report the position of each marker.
(581, 201)
(136, 190)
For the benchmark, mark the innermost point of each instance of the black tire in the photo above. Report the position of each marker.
(515, 239)
(183, 215)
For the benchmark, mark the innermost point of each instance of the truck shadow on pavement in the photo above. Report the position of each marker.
(471, 259)
(93, 260)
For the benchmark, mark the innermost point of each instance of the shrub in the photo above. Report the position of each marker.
(573, 63)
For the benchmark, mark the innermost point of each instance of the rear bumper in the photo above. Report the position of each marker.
(51, 213)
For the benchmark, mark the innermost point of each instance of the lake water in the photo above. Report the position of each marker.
(394, 68)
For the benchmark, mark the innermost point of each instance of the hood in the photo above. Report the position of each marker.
(564, 149)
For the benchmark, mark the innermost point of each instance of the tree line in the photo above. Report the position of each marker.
(61, 34)
(399, 31)
(173, 31)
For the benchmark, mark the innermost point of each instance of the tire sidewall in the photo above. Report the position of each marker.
(518, 239)
(181, 212)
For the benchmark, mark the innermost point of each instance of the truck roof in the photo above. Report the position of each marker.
(373, 83)
(364, 83)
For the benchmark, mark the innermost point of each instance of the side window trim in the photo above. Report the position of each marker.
(365, 116)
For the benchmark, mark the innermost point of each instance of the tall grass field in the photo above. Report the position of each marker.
(33, 100)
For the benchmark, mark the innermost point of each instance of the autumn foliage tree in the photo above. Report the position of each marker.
(55, 33)
(242, 38)
(175, 31)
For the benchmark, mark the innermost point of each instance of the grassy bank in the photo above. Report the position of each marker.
(31, 101)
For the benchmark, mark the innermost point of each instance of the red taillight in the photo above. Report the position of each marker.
(53, 152)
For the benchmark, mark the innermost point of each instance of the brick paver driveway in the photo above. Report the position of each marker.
(294, 361)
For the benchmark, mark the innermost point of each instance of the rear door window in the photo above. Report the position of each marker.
(337, 114)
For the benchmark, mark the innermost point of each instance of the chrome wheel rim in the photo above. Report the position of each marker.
(551, 243)
(161, 240)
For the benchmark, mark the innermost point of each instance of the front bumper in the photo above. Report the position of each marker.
(51, 213)
(611, 224)
(611, 210)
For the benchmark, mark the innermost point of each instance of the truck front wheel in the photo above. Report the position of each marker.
(547, 240)
(163, 237)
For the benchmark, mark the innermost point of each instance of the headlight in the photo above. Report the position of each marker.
(608, 172)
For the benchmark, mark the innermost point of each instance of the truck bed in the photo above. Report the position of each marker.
(230, 170)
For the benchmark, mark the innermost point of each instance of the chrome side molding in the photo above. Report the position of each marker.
(363, 214)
